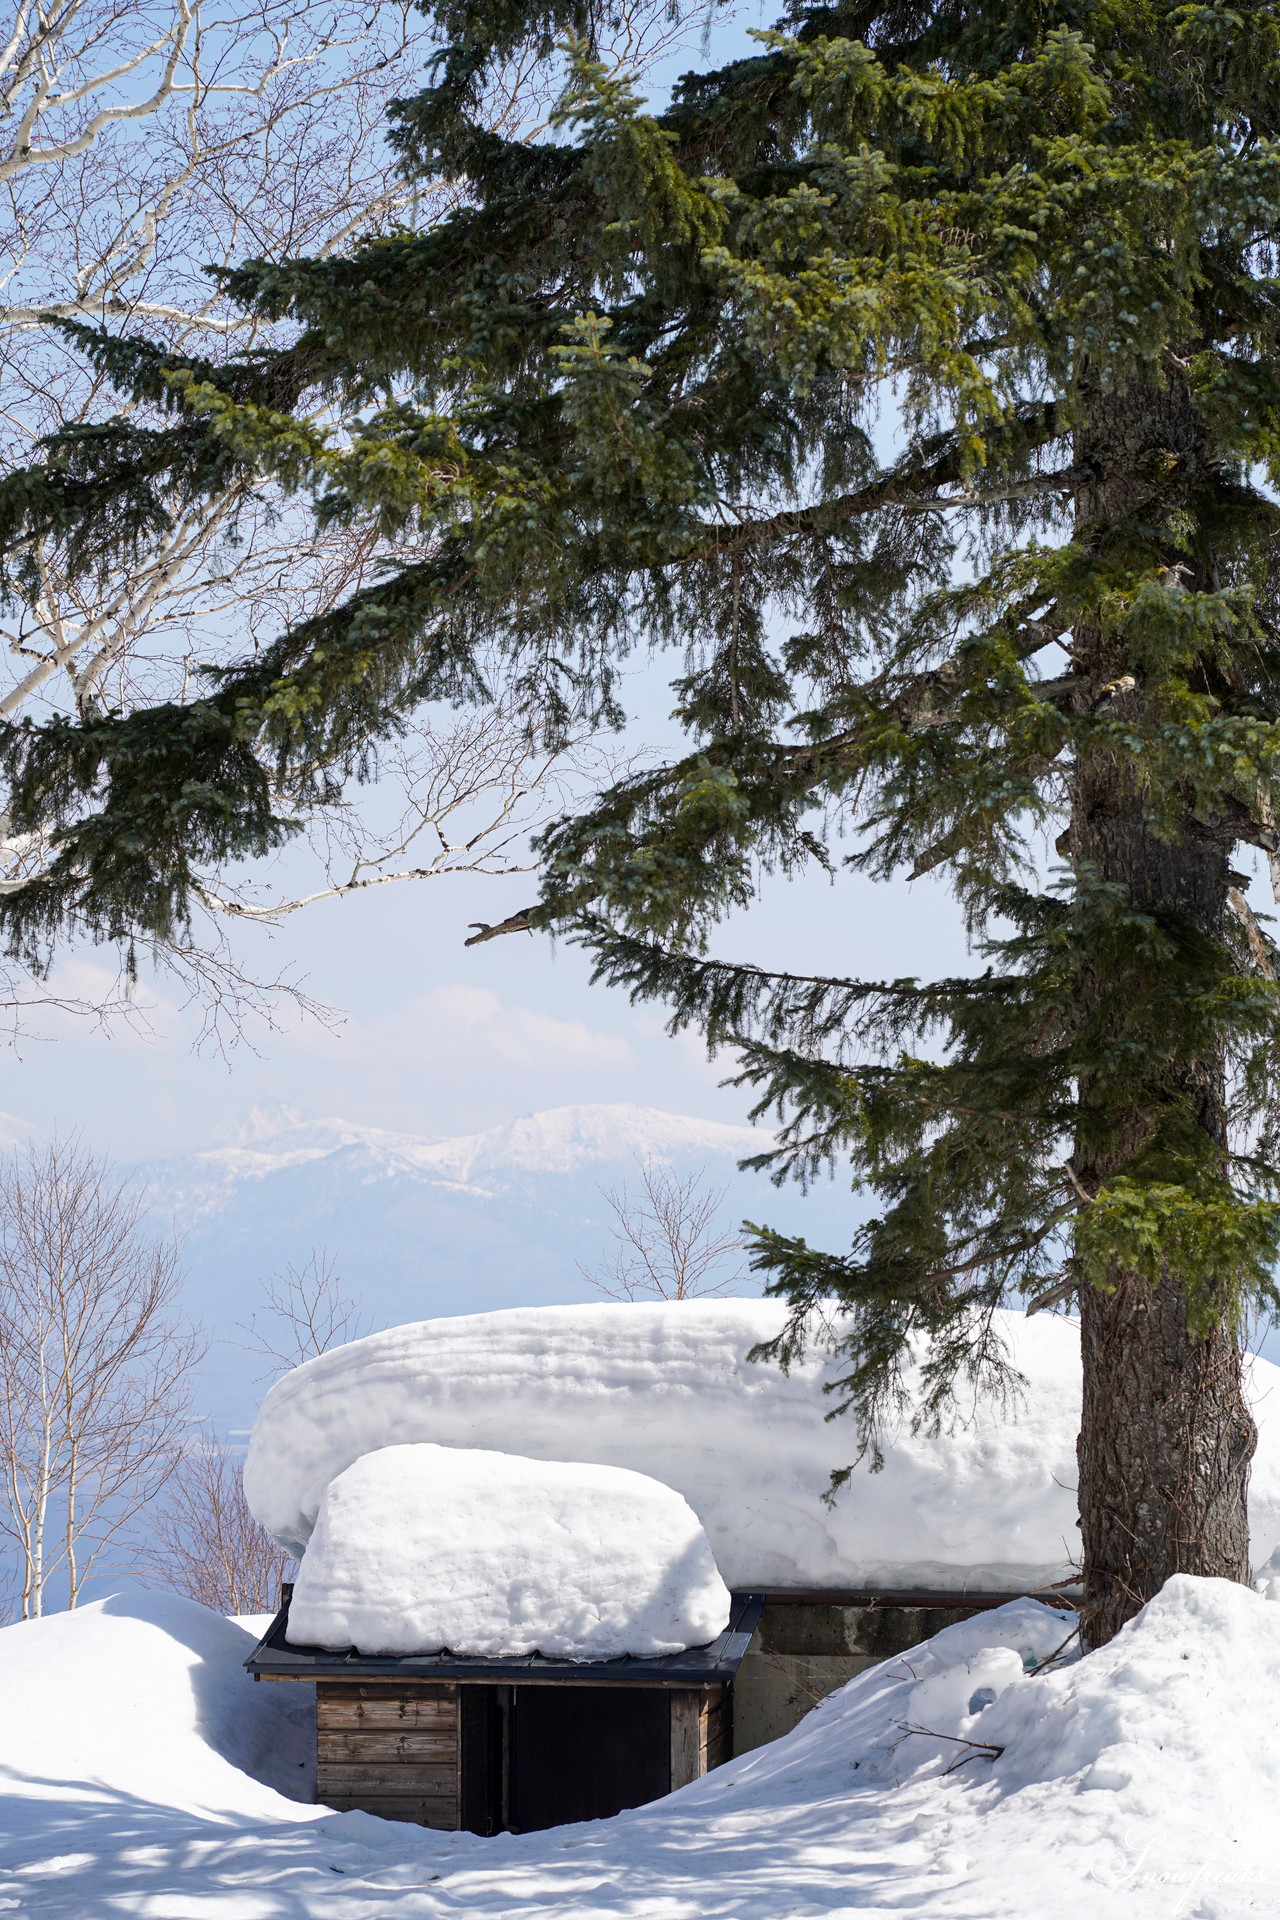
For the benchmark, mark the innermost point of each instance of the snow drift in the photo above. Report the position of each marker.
(1139, 1783)
(667, 1389)
(144, 1698)
(421, 1548)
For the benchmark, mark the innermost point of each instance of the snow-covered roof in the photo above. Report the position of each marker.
(666, 1389)
(419, 1548)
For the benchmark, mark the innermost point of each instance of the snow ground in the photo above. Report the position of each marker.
(421, 1548)
(1138, 1784)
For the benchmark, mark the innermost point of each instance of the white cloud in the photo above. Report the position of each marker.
(687, 1050)
(459, 1022)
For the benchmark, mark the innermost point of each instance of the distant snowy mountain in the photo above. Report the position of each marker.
(420, 1226)
(563, 1141)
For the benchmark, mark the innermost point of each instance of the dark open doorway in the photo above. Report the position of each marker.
(583, 1753)
(535, 1757)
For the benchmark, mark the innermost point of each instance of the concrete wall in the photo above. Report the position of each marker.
(802, 1652)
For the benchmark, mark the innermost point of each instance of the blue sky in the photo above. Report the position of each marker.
(434, 1037)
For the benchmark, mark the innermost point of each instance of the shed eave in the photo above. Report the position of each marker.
(274, 1659)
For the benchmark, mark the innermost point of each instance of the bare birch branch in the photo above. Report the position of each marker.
(205, 1543)
(311, 1314)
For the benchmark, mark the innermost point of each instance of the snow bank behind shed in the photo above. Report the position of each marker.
(666, 1389)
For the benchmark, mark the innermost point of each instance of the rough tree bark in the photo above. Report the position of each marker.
(1164, 1450)
(1166, 1435)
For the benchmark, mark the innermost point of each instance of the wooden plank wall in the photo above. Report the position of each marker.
(717, 1729)
(391, 1750)
(394, 1748)
(700, 1733)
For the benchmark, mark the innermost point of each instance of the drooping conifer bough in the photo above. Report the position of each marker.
(641, 386)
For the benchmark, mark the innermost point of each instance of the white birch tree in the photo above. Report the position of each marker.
(95, 1367)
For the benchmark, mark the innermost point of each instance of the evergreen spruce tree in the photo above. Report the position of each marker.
(639, 387)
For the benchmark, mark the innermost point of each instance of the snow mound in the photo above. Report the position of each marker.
(143, 1698)
(666, 1389)
(1267, 1578)
(422, 1548)
(1012, 1777)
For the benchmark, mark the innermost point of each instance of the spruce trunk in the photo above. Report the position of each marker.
(1165, 1443)
(1166, 1436)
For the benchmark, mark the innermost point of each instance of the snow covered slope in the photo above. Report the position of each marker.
(505, 1161)
(567, 1139)
(16, 1135)
(1137, 1784)
(667, 1390)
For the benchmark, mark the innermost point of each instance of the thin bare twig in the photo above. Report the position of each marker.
(311, 1314)
(205, 1543)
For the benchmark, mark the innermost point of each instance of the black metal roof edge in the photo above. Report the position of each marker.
(1062, 1593)
(719, 1660)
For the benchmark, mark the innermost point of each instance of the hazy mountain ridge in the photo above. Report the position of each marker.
(527, 1157)
(562, 1140)
(420, 1226)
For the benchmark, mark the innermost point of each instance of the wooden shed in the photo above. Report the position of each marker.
(519, 1744)
(511, 1744)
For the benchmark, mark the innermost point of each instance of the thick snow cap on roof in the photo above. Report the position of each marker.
(667, 1389)
(421, 1548)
